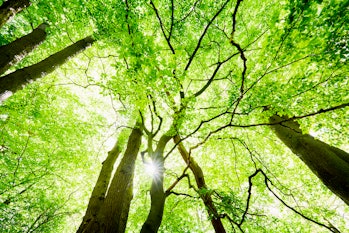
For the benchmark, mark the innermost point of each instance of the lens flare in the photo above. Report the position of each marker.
(151, 169)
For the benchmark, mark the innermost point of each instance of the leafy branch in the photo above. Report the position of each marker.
(203, 35)
(173, 185)
(267, 183)
(258, 124)
(242, 55)
(168, 38)
(294, 117)
(219, 64)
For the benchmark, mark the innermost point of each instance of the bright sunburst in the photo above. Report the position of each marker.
(151, 169)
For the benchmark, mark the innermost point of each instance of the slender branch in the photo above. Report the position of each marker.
(248, 197)
(184, 174)
(181, 194)
(274, 70)
(234, 17)
(264, 124)
(209, 81)
(126, 16)
(151, 118)
(143, 124)
(172, 21)
(332, 75)
(203, 34)
(260, 124)
(201, 184)
(283, 39)
(189, 13)
(295, 117)
(243, 57)
(20, 158)
(266, 182)
(157, 115)
(162, 25)
(219, 64)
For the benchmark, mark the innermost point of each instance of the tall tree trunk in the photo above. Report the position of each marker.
(201, 183)
(101, 186)
(17, 80)
(157, 194)
(11, 7)
(16, 50)
(328, 163)
(117, 203)
(111, 216)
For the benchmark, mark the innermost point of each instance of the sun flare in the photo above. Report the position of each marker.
(151, 169)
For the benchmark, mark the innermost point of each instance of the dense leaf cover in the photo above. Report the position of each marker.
(209, 72)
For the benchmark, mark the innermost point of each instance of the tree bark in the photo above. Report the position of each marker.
(12, 53)
(117, 203)
(101, 187)
(157, 194)
(111, 216)
(17, 80)
(11, 7)
(201, 183)
(328, 163)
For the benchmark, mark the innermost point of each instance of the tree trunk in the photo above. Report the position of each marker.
(117, 203)
(157, 194)
(17, 80)
(328, 163)
(16, 50)
(101, 187)
(200, 182)
(11, 7)
(111, 216)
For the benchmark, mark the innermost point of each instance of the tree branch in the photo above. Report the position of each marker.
(234, 17)
(219, 64)
(266, 182)
(172, 22)
(203, 34)
(243, 57)
(184, 174)
(295, 117)
(168, 38)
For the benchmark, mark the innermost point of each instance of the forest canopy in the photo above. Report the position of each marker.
(174, 116)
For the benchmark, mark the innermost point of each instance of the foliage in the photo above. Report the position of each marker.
(212, 76)
(43, 134)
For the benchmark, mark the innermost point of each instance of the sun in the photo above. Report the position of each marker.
(151, 169)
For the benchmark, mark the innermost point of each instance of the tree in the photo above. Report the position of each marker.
(101, 187)
(11, 7)
(328, 163)
(17, 80)
(110, 201)
(16, 50)
(210, 75)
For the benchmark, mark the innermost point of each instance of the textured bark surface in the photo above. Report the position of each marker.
(111, 216)
(201, 183)
(157, 194)
(328, 163)
(19, 79)
(12, 53)
(117, 203)
(101, 187)
(11, 7)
